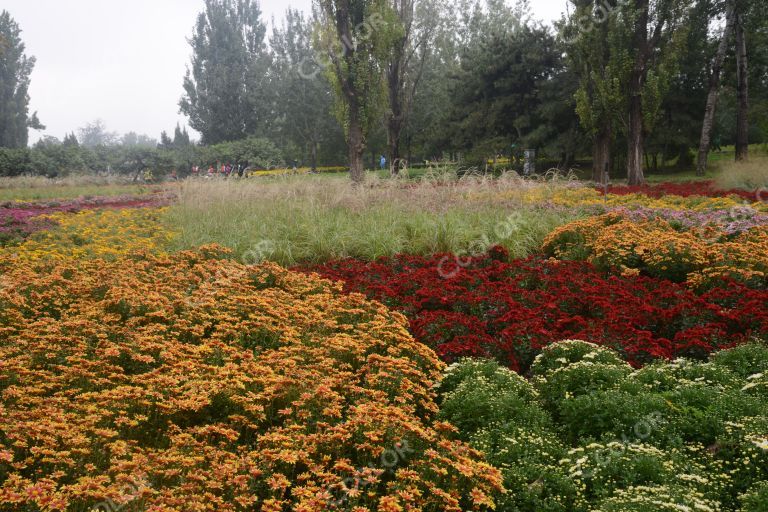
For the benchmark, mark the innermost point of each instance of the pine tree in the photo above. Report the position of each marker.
(70, 140)
(165, 141)
(15, 71)
(180, 137)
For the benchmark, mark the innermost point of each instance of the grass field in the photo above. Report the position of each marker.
(35, 188)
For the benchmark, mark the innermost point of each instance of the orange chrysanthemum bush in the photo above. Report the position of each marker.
(659, 249)
(193, 383)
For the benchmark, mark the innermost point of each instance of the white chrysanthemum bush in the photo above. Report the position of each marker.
(587, 432)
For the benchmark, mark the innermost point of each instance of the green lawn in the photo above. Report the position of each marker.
(63, 192)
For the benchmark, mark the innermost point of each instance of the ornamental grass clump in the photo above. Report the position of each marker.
(200, 384)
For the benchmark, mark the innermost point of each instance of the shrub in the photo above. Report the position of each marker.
(632, 416)
(482, 399)
(489, 370)
(692, 431)
(700, 413)
(743, 446)
(657, 498)
(497, 410)
(564, 353)
(578, 379)
(744, 360)
(756, 499)
(602, 469)
(670, 375)
(528, 459)
(15, 161)
(656, 248)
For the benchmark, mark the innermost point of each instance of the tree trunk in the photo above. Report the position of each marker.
(313, 155)
(394, 148)
(356, 147)
(409, 156)
(394, 117)
(601, 155)
(635, 174)
(637, 82)
(742, 92)
(714, 87)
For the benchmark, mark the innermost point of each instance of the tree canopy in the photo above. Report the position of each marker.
(15, 70)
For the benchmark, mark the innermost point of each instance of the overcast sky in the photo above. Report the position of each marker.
(122, 61)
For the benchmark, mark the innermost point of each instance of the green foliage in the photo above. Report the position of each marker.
(528, 458)
(485, 394)
(744, 449)
(756, 499)
(701, 413)
(226, 85)
(669, 436)
(15, 71)
(303, 105)
(745, 360)
(656, 498)
(52, 158)
(355, 40)
(256, 152)
(613, 414)
(512, 90)
(562, 354)
(490, 370)
(578, 379)
(15, 161)
(667, 376)
(497, 411)
(604, 468)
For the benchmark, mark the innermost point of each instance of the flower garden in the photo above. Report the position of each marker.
(139, 377)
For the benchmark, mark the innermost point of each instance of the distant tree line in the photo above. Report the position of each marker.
(625, 86)
(632, 85)
(94, 150)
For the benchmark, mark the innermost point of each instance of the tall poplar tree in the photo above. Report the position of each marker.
(226, 82)
(355, 38)
(651, 33)
(598, 101)
(15, 71)
(626, 52)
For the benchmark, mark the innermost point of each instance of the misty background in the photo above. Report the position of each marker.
(124, 62)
